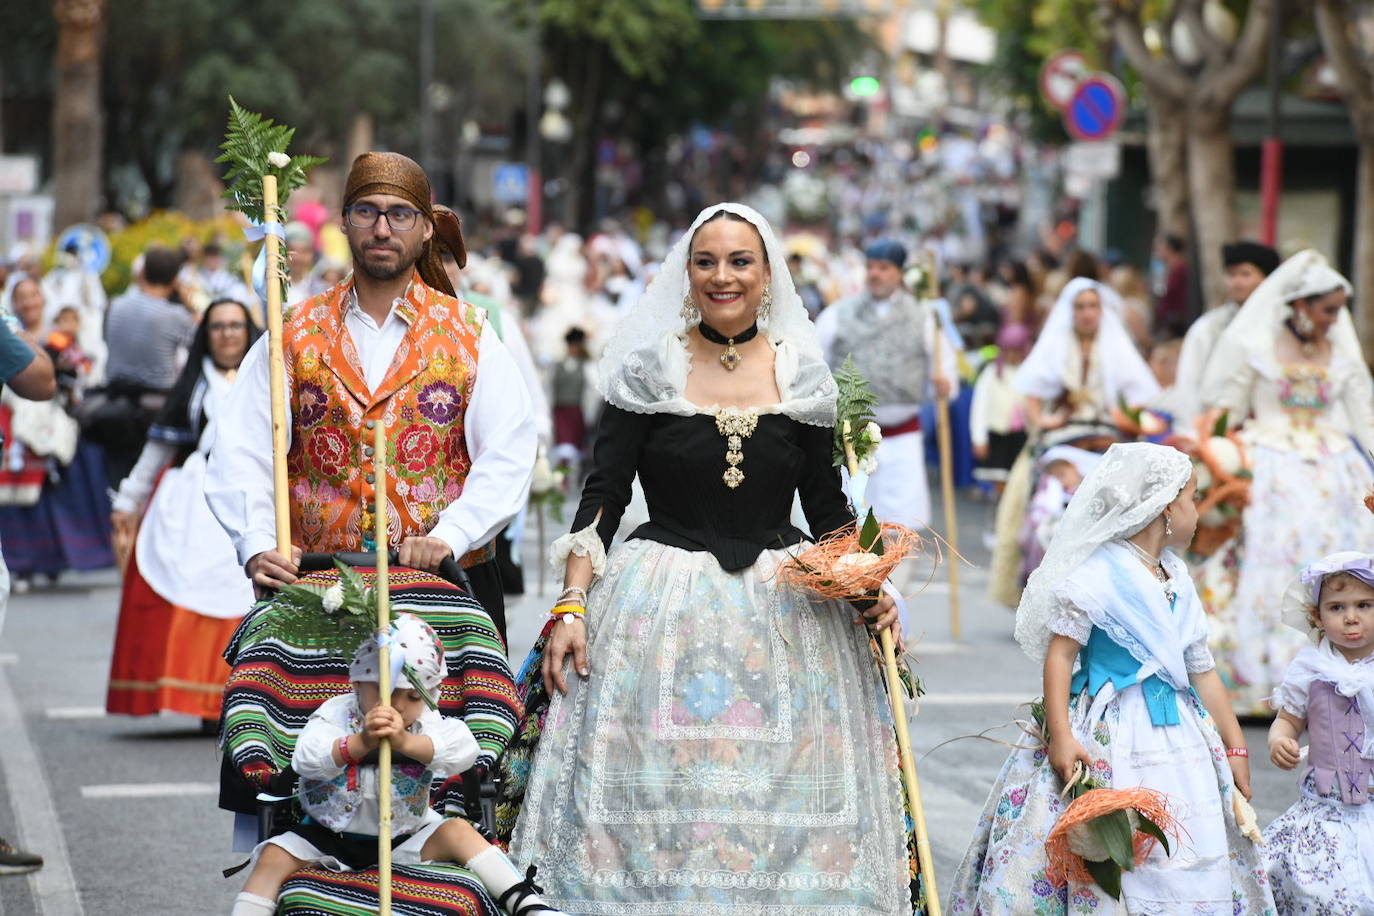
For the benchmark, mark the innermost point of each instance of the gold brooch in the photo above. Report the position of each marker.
(735, 426)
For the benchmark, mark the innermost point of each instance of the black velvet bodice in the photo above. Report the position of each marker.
(680, 461)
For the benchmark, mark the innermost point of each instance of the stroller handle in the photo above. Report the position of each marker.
(316, 562)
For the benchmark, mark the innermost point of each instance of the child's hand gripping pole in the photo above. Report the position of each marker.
(384, 685)
(896, 697)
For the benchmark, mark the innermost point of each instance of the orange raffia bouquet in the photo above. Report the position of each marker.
(1223, 482)
(1105, 832)
(852, 565)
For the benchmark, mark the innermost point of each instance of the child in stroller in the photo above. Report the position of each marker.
(339, 790)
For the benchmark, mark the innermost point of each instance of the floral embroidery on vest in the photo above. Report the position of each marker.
(420, 402)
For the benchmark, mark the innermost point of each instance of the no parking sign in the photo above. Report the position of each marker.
(1096, 109)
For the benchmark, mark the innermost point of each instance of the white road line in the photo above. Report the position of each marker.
(76, 712)
(53, 886)
(8, 658)
(150, 790)
(922, 648)
(976, 699)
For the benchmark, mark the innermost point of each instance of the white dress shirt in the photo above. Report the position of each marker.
(497, 426)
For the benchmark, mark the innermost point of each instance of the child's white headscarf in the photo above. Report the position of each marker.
(1129, 488)
(413, 646)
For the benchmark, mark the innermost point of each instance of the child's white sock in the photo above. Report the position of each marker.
(499, 875)
(246, 904)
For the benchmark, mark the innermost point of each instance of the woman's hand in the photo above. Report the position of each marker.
(881, 616)
(1240, 772)
(566, 639)
(1065, 751)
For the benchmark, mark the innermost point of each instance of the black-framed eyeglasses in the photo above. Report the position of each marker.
(365, 216)
(227, 327)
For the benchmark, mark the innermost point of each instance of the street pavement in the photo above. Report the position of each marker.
(124, 809)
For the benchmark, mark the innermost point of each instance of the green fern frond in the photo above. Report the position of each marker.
(248, 142)
(855, 404)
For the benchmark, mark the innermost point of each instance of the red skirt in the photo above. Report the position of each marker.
(166, 657)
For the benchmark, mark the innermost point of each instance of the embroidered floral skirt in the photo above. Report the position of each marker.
(731, 753)
(1321, 856)
(1300, 510)
(1213, 869)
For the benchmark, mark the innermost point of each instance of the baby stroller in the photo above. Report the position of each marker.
(274, 687)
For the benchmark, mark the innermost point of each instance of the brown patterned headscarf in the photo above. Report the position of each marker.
(401, 176)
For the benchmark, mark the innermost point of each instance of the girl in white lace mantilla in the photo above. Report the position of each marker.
(1143, 707)
(720, 743)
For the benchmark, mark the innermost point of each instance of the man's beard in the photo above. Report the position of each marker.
(382, 272)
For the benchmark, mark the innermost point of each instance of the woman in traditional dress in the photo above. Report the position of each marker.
(1082, 365)
(183, 595)
(1289, 367)
(720, 743)
(54, 509)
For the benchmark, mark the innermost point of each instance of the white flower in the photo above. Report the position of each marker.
(868, 463)
(858, 563)
(1084, 842)
(1204, 476)
(875, 432)
(1226, 454)
(278, 160)
(544, 477)
(333, 598)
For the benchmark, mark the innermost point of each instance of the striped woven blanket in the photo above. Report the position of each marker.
(275, 686)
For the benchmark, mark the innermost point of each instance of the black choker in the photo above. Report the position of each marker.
(730, 358)
(1306, 343)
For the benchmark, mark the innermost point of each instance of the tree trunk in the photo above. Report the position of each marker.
(1364, 241)
(1211, 186)
(78, 134)
(579, 199)
(1166, 146)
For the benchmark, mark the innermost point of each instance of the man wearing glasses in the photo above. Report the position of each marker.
(391, 345)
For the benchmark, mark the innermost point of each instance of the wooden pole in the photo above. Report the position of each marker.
(943, 441)
(904, 756)
(384, 685)
(942, 434)
(276, 366)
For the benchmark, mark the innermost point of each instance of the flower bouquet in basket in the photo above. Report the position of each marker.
(1105, 832)
(1223, 483)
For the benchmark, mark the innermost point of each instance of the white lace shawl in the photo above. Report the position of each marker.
(645, 364)
(1129, 488)
(1124, 372)
(1250, 336)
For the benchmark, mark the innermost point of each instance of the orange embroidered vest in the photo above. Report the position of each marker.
(420, 401)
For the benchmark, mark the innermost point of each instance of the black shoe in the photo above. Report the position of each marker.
(513, 901)
(17, 861)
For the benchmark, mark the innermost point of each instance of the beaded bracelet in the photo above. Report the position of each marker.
(1237, 752)
(572, 591)
(348, 758)
(568, 612)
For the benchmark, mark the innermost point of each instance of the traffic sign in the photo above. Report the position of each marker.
(1094, 160)
(511, 183)
(92, 246)
(1096, 109)
(1061, 75)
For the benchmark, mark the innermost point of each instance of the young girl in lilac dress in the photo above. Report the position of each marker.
(1321, 850)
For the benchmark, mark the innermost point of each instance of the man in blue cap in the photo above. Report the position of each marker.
(891, 335)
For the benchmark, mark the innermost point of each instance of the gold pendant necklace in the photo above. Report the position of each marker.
(735, 426)
(731, 358)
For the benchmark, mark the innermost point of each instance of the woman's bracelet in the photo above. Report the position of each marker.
(572, 591)
(348, 758)
(569, 611)
(1237, 752)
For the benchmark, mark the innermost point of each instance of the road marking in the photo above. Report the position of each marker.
(920, 649)
(975, 699)
(150, 790)
(8, 658)
(76, 712)
(53, 886)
